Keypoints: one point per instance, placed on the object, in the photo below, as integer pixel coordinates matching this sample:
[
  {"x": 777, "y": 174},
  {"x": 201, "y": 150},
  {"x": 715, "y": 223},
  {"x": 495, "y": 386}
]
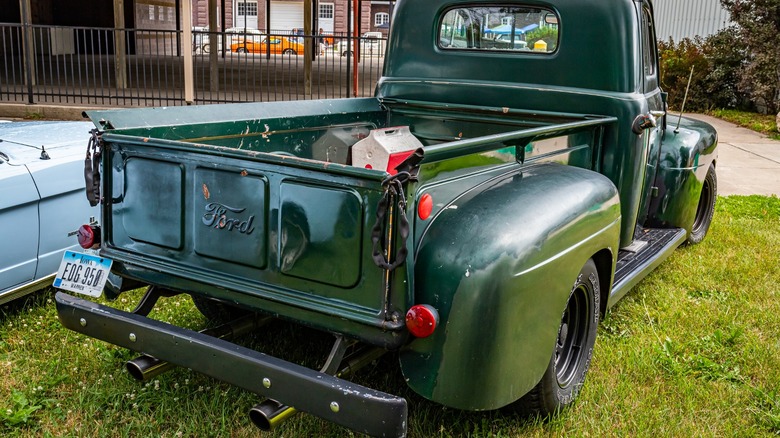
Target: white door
[
  {"x": 286, "y": 16},
  {"x": 325, "y": 17},
  {"x": 246, "y": 14}
]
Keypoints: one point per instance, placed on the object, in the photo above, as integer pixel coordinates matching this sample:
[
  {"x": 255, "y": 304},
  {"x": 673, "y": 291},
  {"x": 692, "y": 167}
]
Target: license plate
[{"x": 83, "y": 273}]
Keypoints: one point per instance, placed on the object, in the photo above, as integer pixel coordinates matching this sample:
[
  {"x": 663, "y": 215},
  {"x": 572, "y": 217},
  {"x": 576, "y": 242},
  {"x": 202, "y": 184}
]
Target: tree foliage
[
  {"x": 548, "y": 34},
  {"x": 716, "y": 63},
  {"x": 758, "y": 29},
  {"x": 679, "y": 62},
  {"x": 739, "y": 67}
]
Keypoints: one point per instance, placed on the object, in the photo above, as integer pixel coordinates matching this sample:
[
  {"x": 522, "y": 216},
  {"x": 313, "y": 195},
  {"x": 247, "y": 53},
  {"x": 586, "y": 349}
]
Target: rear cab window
[{"x": 499, "y": 28}]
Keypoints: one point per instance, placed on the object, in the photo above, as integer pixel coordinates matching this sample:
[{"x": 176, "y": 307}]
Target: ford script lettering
[{"x": 217, "y": 217}]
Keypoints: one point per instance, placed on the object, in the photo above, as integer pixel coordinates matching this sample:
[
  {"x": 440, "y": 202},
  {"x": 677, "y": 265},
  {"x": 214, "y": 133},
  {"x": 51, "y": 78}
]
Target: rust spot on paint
[
  {"x": 244, "y": 173},
  {"x": 206, "y": 193}
]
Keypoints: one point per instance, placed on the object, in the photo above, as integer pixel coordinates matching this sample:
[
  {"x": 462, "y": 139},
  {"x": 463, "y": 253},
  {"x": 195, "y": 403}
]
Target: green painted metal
[
  {"x": 529, "y": 158},
  {"x": 498, "y": 263},
  {"x": 685, "y": 157}
]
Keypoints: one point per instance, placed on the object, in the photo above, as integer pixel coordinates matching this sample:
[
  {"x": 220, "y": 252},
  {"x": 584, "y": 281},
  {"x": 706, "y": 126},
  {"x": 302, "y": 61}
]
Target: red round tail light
[
  {"x": 88, "y": 236},
  {"x": 421, "y": 320},
  {"x": 425, "y": 206}
]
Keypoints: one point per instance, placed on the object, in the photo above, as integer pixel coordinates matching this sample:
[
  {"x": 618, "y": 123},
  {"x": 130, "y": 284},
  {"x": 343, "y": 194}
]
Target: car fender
[
  {"x": 686, "y": 155},
  {"x": 498, "y": 264}
]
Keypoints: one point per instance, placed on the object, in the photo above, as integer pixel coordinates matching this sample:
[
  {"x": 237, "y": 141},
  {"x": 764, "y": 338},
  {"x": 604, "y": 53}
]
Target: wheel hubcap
[{"x": 572, "y": 336}]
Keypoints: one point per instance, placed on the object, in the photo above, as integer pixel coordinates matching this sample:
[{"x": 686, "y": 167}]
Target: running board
[{"x": 650, "y": 248}]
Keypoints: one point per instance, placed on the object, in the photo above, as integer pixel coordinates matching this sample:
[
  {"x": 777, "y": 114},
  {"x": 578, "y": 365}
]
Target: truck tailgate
[{"x": 269, "y": 228}]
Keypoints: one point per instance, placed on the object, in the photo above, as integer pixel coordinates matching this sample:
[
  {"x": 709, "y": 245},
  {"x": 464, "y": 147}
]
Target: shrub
[
  {"x": 726, "y": 55},
  {"x": 676, "y": 62},
  {"x": 719, "y": 67},
  {"x": 548, "y": 34},
  {"x": 758, "y": 28}
]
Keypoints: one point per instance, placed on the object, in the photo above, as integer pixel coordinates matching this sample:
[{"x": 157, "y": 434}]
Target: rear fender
[
  {"x": 686, "y": 155},
  {"x": 498, "y": 264}
]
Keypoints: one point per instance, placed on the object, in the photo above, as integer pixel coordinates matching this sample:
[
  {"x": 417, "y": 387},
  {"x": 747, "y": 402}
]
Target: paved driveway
[{"x": 748, "y": 162}]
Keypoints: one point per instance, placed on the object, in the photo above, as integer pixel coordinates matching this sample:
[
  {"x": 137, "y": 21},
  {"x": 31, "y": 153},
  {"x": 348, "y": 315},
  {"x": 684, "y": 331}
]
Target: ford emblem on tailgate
[{"x": 216, "y": 216}]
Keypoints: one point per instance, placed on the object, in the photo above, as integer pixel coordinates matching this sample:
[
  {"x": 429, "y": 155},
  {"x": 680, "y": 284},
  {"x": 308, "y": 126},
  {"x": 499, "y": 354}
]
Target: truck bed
[{"x": 267, "y": 213}]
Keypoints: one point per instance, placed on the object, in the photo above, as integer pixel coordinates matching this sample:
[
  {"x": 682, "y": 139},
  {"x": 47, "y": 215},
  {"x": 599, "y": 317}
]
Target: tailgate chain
[
  {"x": 92, "y": 168},
  {"x": 393, "y": 188}
]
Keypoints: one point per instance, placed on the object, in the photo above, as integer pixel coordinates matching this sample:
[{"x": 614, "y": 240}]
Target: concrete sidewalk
[{"x": 748, "y": 162}]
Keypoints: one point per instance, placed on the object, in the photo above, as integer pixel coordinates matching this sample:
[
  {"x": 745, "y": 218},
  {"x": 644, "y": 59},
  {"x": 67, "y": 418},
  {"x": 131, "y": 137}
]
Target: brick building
[{"x": 286, "y": 15}]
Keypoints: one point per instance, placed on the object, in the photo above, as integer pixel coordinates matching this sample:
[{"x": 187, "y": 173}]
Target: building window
[
  {"x": 381, "y": 18},
  {"x": 326, "y": 10},
  {"x": 245, "y": 8}
]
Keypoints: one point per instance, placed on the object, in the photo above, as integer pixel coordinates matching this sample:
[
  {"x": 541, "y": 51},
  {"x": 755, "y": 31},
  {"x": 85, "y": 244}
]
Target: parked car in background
[
  {"x": 232, "y": 35},
  {"x": 503, "y": 41},
  {"x": 238, "y": 34},
  {"x": 41, "y": 200},
  {"x": 278, "y": 45},
  {"x": 371, "y": 44}
]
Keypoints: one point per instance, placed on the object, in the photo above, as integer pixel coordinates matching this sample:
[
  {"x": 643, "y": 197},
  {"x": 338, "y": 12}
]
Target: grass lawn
[{"x": 693, "y": 350}]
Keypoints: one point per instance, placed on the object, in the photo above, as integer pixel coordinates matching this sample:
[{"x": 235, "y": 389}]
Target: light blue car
[{"x": 42, "y": 201}]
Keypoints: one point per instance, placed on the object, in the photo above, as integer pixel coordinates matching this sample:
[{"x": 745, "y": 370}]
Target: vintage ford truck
[{"x": 475, "y": 218}]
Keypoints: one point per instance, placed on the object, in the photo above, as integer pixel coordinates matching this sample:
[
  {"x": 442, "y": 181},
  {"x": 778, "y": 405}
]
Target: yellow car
[{"x": 278, "y": 45}]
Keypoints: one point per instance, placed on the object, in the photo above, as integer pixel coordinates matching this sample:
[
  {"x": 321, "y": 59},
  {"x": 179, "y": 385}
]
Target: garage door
[{"x": 286, "y": 16}]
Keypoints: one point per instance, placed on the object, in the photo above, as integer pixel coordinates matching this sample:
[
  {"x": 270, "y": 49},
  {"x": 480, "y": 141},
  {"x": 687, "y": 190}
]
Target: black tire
[
  {"x": 206, "y": 48},
  {"x": 289, "y": 52},
  {"x": 216, "y": 311},
  {"x": 346, "y": 52},
  {"x": 570, "y": 360},
  {"x": 241, "y": 50},
  {"x": 706, "y": 207}
]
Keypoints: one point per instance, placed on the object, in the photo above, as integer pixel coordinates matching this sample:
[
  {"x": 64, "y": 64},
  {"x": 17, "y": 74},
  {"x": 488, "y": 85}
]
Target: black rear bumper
[{"x": 342, "y": 402}]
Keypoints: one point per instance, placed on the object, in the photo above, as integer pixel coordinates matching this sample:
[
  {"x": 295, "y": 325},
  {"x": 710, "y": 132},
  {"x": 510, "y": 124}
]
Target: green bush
[
  {"x": 726, "y": 57},
  {"x": 676, "y": 62},
  {"x": 548, "y": 34},
  {"x": 717, "y": 63}
]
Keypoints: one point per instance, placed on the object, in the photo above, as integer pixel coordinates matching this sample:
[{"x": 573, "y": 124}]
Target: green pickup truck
[{"x": 475, "y": 219}]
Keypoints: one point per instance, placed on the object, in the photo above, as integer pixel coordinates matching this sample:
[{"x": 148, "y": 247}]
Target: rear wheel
[
  {"x": 570, "y": 360},
  {"x": 241, "y": 50},
  {"x": 289, "y": 52},
  {"x": 216, "y": 311},
  {"x": 706, "y": 207}
]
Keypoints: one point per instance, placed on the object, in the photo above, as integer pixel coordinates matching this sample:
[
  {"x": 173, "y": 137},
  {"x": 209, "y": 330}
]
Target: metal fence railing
[{"x": 79, "y": 65}]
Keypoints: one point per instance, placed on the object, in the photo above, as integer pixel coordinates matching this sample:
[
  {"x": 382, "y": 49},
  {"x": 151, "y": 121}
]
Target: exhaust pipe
[
  {"x": 269, "y": 413},
  {"x": 146, "y": 367}
]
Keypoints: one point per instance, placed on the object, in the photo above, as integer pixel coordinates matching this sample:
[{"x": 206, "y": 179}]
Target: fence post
[
  {"x": 189, "y": 78},
  {"x": 214, "y": 53},
  {"x": 27, "y": 48},
  {"x": 308, "y": 46},
  {"x": 120, "y": 47}
]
